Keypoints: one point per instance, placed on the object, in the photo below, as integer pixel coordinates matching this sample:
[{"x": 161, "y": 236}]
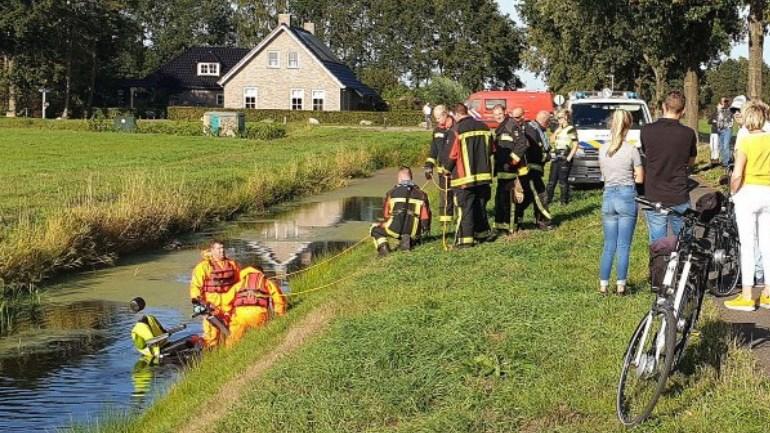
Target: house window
[
  {"x": 318, "y": 100},
  {"x": 293, "y": 60},
  {"x": 220, "y": 99},
  {"x": 250, "y": 97},
  {"x": 273, "y": 61},
  {"x": 210, "y": 69},
  {"x": 297, "y": 99}
]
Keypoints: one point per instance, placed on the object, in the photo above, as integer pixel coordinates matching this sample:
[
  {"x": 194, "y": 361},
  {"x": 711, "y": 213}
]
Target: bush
[
  {"x": 185, "y": 129},
  {"x": 353, "y": 118},
  {"x": 264, "y": 131}
]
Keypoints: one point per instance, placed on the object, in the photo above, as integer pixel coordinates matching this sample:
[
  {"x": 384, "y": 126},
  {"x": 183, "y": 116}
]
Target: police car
[{"x": 591, "y": 114}]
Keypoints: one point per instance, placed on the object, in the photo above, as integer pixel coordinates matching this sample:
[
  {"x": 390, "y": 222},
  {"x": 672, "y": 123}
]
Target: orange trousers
[{"x": 245, "y": 318}]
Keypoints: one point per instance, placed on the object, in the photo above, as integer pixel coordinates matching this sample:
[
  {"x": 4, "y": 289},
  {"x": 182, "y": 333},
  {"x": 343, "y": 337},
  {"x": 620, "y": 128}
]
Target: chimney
[
  {"x": 309, "y": 27},
  {"x": 284, "y": 19}
]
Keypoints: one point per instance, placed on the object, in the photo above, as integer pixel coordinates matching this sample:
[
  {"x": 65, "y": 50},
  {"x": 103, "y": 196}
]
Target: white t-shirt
[
  {"x": 426, "y": 110},
  {"x": 743, "y": 131}
]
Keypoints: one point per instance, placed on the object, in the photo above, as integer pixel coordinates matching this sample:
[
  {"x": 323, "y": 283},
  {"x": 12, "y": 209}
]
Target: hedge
[
  {"x": 380, "y": 118},
  {"x": 257, "y": 131}
]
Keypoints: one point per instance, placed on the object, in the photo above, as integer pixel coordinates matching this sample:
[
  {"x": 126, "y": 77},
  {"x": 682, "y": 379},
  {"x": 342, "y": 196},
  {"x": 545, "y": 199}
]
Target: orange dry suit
[
  {"x": 212, "y": 284},
  {"x": 251, "y": 303}
]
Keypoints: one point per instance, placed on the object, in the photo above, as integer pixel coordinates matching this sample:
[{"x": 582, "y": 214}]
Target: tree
[
  {"x": 729, "y": 79},
  {"x": 442, "y": 90},
  {"x": 757, "y": 28}
]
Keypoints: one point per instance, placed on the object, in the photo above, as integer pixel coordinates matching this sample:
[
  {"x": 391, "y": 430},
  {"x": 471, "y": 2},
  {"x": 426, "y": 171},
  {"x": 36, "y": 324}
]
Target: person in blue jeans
[
  {"x": 723, "y": 120},
  {"x": 621, "y": 167},
  {"x": 670, "y": 149}
]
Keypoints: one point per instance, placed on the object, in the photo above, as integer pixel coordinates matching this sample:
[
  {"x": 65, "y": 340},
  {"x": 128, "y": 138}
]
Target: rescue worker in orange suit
[
  {"x": 407, "y": 215},
  {"x": 470, "y": 160},
  {"x": 532, "y": 183},
  {"x": 510, "y": 147},
  {"x": 254, "y": 295},
  {"x": 438, "y": 159},
  {"x": 212, "y": 285}
]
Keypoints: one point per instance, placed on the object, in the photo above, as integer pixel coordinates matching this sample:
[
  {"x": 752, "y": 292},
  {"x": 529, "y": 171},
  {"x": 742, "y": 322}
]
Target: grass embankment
[
  {"x": 76, "y": 199},
  {"x": 505, "y": 337}
]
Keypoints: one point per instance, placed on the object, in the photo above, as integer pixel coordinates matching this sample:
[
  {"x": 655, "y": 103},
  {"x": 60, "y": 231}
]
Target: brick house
[{"x": 291, "y": 69}]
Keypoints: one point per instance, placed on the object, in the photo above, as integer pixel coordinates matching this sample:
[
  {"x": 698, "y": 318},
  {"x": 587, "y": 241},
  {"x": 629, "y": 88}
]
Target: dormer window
[{"x": 208, "y": 69}]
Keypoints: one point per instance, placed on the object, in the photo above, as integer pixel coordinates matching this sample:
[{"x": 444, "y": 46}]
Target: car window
[
  {"x": 490, "y": 103},
  {"x": 598, "y": 115},
  {"x": 474, "y": 104}
]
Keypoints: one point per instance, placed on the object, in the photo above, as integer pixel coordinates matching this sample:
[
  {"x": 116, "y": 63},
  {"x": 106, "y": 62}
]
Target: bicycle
[
  {"x": 726, "y": 263},
  {"x": 659, "y": 341}
]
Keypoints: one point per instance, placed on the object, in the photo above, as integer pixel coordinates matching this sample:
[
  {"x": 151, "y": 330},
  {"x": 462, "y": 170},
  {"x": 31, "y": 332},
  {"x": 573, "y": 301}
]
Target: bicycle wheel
[
  {"x": 726, "y": 265},
  {"x": 646, "y": 366},
  {"x": 689, "y": 311}
]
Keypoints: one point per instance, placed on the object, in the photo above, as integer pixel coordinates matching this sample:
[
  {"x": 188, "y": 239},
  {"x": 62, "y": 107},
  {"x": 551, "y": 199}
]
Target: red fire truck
[{"x": 480, "y": 104}]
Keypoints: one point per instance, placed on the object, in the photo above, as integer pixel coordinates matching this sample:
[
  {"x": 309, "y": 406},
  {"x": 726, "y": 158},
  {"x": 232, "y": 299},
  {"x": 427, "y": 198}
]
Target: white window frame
[
  {"x": 278, "y": 59},
  {"x": 322, "y": 98},
  {"x": 220, "y": 99},
  {"x": 208, "y": 69},
  {"x": 291, "y": 99},
  {"x": 288, "y": 60},
  {"x": 256, "y": 97}
]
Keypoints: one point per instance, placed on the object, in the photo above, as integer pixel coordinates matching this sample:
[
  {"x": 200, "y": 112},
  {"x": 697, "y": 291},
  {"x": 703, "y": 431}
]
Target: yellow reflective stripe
[
  {"x": 506, "y": 137},
  {"x": 471, "y": 179},
  {"x": 463, "y": 241},
  {"x": 523, "y": 171},
  {"x": 537, "y": 167},
  {"x": 430, "y": 160},
  {"x": 445, "y": 218},
  {"x": 378, "y": 242},
  {"x": 404, "y": 200},
  {"x": 502, "y": 226},
  {"x": 441, "y": 170},
  {"x": 438, "y": 135},
  {"x": 504, "y": 175},
  {"x": 469, "y": 134},
  {"x": 515, "y": 158},
  {"x": 466, "y": 163}
]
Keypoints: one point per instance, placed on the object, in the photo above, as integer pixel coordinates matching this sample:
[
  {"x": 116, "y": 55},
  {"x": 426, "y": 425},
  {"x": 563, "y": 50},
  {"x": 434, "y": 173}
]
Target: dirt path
[
  {"x": 217, "y": 407},
  {"x": 751, "y": 329}
]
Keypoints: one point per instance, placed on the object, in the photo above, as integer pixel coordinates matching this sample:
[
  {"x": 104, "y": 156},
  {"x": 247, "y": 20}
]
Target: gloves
[
  {"x": 198, "y": 309},
  {"x": 428, "y": 173}
]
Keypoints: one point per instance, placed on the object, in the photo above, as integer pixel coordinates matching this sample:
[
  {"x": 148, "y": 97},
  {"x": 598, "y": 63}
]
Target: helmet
[{"x": 136, "y": 305}]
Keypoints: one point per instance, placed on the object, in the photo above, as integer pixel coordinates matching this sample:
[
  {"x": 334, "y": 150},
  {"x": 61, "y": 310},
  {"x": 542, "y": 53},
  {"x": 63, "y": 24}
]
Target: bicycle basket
[
  {"x": 709, "y": 205},
  {"x": 660, "y": 252}
]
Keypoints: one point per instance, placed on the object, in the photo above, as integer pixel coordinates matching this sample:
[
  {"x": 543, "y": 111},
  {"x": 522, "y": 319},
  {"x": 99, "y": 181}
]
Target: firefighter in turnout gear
[
  {"x": 536, "y": 156},
  {"x": 438, "y": 158},
  {"x": 565, "y": 145},
  {"x": 212, "y": 282},
  {"x": 407, "y": 215},
  {"x": 470, "y": 160},
  {"x": 510, "y": 148},
  {"x": 254, "y": 297}
]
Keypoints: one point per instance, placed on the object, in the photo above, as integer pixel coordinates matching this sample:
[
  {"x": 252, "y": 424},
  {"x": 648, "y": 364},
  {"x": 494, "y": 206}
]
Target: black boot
[
  {"x": 405, "y": 244},
  {"x": 383, "y": 250}
]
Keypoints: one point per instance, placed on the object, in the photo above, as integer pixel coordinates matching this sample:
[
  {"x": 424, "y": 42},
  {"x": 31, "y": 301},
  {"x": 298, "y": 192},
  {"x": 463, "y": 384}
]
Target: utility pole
[
  {"x": 612, "y": 81},
  {"x": 44, "y": 91}
]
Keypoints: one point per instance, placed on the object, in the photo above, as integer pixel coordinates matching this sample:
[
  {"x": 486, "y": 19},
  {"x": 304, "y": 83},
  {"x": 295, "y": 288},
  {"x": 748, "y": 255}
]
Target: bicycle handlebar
[{"x": 658, "y": 207}]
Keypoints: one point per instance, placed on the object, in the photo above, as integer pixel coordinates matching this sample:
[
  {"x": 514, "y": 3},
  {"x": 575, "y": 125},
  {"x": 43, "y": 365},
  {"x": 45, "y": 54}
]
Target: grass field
[
  {"x": 505, "y": 337},
  {"x": 74, "y": 199}
]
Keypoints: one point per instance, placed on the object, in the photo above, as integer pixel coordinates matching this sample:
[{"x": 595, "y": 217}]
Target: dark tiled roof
[
  {"x": 181, "y": 72},
  {"x": 332, "y": 63}
]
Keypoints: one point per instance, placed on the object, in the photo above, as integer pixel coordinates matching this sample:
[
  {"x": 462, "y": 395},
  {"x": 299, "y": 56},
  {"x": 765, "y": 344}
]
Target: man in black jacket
[
  {"x": 439, "y": 158},
  {"x": 510, "y": 147},
  {"x": 470, "y": 161},
  {"x": 536, "y": 157}
]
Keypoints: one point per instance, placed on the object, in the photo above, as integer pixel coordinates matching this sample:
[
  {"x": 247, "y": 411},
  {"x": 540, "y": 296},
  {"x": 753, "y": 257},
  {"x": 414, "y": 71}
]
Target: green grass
[
  {"x": 505, "y": 337},
  {"x": 75, "y": 199}
]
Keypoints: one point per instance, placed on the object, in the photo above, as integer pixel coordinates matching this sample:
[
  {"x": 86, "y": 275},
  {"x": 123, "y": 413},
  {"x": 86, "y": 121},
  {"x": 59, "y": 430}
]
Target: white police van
[{"x": 591, "y": 115}]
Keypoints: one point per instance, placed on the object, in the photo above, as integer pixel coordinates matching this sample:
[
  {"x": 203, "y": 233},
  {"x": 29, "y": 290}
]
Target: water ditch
[{"x": 68, "y": 358}]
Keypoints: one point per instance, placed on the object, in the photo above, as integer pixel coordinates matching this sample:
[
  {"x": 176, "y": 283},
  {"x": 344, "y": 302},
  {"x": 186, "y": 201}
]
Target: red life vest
[
  {"x": 253, "y": 292},
  {"x": 220, "y": 279}
]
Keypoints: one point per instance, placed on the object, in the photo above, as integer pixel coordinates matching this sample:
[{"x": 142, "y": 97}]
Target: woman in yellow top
[{"x": 750, "y": 184}]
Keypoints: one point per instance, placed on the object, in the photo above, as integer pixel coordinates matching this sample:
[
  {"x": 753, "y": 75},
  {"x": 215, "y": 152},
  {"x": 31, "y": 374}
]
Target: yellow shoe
[
  {"x": 764, "y": 301},
  {"x": 739, "y": 303}
]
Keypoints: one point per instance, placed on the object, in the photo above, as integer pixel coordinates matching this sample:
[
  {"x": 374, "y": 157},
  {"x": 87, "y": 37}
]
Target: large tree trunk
[
  {"x": 67, "y": 81},
  {"x": 9, "y": 64},
  {"x": 691, "y": 94},
  {"x": 756, "y": 43}
]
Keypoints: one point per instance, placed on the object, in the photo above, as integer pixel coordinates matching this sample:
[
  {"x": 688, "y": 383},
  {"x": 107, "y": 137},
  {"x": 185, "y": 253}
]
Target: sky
[{"x": 531, "y": 81}]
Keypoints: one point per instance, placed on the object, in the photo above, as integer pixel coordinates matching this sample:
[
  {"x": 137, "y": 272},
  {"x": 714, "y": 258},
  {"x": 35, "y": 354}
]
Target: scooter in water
[{"x": 154, "y": 341}]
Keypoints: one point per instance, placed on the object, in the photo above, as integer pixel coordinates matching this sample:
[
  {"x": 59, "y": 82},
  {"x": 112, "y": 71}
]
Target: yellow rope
[
  {"x": 322, "y": 262},
  {"x": 444, "y": 228}
]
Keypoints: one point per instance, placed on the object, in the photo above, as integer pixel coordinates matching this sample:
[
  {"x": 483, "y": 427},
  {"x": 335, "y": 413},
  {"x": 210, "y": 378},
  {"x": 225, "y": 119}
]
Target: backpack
[{"x": 660, "y": 252}]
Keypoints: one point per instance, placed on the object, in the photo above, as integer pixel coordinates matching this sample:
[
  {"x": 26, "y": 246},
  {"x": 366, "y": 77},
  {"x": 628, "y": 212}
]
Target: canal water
[{"x": 69, "y": 359}]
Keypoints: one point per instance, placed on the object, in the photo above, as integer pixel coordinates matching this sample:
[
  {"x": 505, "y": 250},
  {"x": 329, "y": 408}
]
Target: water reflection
[{"x": 69, "y": 356}]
